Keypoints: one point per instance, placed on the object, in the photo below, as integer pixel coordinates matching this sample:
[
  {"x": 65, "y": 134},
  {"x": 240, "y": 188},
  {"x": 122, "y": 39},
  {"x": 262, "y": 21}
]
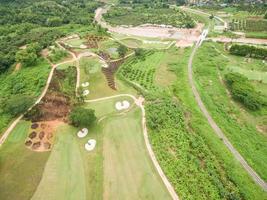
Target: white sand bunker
[
  {"x": 82, "y": 133},
  {"x": 82, "y": 46},
  {"x": 122, "y": 105},
  {"x": 90, "y": 145},
  {"x": 85, "y": 92},
  {"x": 85, "y": 84}
]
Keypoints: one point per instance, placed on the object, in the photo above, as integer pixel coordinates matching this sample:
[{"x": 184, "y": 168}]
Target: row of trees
[
  {"x": 247, "y": 50},
  {"x": 244, "y": 92}
]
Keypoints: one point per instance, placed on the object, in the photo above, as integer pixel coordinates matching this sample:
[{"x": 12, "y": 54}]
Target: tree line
[{"x": 248, "y": 50}]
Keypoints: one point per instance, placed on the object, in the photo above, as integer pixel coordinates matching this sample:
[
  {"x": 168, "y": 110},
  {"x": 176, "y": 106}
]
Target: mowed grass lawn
[
  {"x": 20, "y": 168},
  {"x": 127, "y": 169},
  {"x": 90, "y": 69}
]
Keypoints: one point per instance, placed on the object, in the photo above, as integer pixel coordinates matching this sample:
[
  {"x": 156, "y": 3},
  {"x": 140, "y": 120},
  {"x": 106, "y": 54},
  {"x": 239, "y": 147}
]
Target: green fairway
[
  {"x": 20, "y": 168},
  {"x": 63, "y": 176},
  {"x": 128, "y": 170}
]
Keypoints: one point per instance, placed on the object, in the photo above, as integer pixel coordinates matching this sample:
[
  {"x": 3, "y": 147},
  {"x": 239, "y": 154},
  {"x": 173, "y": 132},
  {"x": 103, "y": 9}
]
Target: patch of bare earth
[{"x": 41, "y": 135}]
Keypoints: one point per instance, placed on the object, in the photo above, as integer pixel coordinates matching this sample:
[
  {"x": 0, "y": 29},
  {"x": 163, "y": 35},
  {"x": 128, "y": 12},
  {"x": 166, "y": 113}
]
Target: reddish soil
[
  {"x": 43, "y": 136},
  {"x": 110, "y": 71}
]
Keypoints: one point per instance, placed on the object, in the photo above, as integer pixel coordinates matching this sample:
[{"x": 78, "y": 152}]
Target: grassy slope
[
  {"x": 64, "y": 170},
  {"x": 199, "y": 125},
  {"x": 128, "y": 171},
  {"x": 20, "y": 168},
  {"x": 233, "y": 121},
  {"x": 28, "y": 81}
]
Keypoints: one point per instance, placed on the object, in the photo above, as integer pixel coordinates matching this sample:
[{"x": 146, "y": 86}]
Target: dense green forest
[{"x": 24, "y": 22}]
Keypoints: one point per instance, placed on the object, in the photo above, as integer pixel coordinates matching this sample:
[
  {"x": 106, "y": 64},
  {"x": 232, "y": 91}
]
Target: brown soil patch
[
  {"x": 17, "y": 67},
  {"x": 109, "y": 72},
  {"x": 33, "y": 135},
  {"x": 43, "y": 136},
  {"x": 34, "y": 125},
  {"x": 93, "y": 40}
]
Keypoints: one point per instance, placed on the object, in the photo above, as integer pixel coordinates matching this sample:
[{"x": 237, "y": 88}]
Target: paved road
[
  {"x": 139, "y": 103},
  {"x": 217, "y": 130}
]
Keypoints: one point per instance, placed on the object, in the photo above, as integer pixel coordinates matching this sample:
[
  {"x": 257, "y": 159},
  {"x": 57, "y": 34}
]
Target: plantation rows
[
  {"x": 140, "y": 71},
  {"x": 248, "y": 25}
]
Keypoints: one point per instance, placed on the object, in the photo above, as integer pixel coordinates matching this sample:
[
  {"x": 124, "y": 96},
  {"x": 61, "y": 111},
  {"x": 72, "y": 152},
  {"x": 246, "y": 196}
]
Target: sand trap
[
  {"x": 85, "y": 84},
  {"x": 85, "y": 92},
  {"x": 82, "y": 46},
  {"x": 122, "y": 105},
  {"x": 90, "y": 145},
  {"x": 82, "y": 133}
]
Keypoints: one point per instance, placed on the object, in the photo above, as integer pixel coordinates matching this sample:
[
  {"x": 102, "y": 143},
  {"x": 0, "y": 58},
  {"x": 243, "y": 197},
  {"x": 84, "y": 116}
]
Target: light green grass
[
  {"x": 64, "y": 176},
  {"x": 251, "y": 75},
  {"x": 91, "y": 72},
  {"x": 75, "y": 42},
  {"x": 107, "y": 107},
  {"x": 127, "y": 169},
  {"x": 142, "y": 42},
  {"x": 20, "y": 168}
]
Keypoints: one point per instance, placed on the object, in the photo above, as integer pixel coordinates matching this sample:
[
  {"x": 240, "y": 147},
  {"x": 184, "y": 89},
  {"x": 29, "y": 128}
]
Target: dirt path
[
  {"x": 216, "y": 128},
  {"x": 139, "y": 103},
  {"x": 54, "y": 66},
  {"x": 239, "y": 40}
]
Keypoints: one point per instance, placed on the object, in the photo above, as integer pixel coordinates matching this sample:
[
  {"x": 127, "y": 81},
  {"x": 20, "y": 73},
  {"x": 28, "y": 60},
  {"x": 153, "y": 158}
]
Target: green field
[
  {"x": 239, "y": 125},
  {"x": 20, "y": 169},
  {"x": 90, "y": 69}
]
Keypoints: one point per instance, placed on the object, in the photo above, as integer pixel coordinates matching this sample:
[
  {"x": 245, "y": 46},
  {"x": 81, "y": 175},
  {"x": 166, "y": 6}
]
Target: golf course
[{"x": 120, "y": 99}]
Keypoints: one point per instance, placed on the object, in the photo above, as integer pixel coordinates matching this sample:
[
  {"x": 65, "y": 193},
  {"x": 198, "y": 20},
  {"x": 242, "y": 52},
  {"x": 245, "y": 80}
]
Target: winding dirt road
[
  {"x": 216, "y": 128},
  {"x": 54, "y": 66}
]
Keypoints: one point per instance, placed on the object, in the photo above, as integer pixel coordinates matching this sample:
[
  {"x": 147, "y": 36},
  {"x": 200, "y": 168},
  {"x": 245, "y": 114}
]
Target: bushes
[
  {"x": 121, "y": 15},
  {"x": 17, "y": 105},
  {"x": 244, "y": 92},
  {"x": 247, "y": 50},
  {"x": 188, "y": 162},
  {"x": 82, "y": 117}
]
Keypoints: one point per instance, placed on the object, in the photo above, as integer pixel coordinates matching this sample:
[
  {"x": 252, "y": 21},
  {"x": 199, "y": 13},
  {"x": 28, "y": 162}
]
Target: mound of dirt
[
  {"x": 34, "y": 126},
  {"x": 33, "y": 135}
]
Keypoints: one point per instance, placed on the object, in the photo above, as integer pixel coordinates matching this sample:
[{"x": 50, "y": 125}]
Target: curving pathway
[
  {"x": 216, "y": 128},
  {"x": 139, "y": 103},
  {"x": 54, "y": 66}
]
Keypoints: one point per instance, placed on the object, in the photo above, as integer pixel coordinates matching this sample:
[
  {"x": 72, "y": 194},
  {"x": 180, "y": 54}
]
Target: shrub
[
  {"x": 81, "y": 117},
  {"x": 244, "y": 92},
  {"x": 247, "y": 50},
  {"x": 17, "y": 105}
]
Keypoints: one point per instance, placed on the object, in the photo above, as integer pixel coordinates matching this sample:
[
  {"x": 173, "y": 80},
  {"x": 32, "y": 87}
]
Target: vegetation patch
[{"x": 138, "y": 15}]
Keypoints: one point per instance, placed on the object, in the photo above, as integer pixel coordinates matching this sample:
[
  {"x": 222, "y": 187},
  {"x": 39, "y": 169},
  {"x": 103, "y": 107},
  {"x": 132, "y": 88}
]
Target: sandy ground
[{"x": 151, "y": 30}]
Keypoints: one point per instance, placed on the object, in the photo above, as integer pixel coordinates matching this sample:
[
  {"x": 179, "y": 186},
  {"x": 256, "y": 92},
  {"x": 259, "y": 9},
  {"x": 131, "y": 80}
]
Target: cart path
[
  {"x": 54, "y": 66},
  {"x": 216, "y": 128},
  {"x": 139, "y": 102}
]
